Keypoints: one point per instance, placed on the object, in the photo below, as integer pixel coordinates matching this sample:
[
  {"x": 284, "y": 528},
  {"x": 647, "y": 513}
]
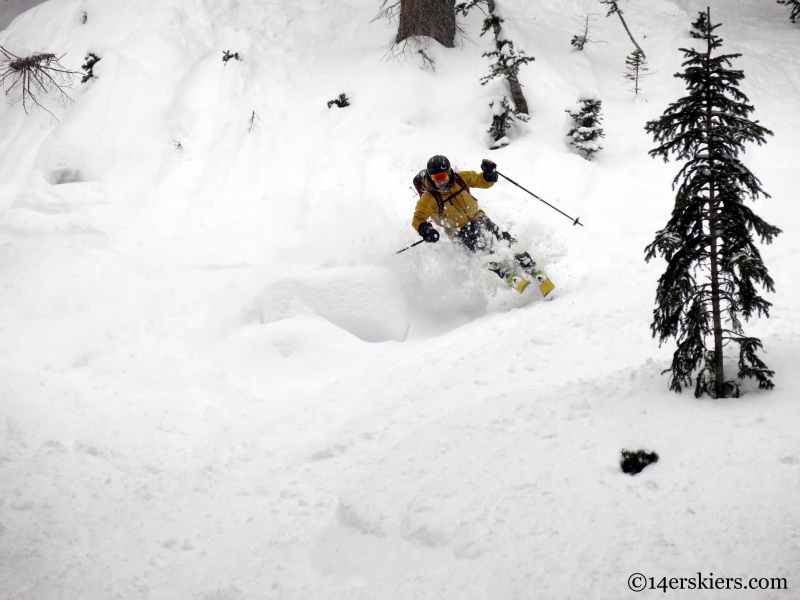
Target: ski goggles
[{"x": 440, "y": 177}]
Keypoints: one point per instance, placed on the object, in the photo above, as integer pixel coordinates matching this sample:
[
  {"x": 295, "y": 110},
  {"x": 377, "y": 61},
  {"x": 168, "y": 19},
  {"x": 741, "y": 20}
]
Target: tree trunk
[
  {"x": 431, "y": 18},
  {"x": 630, "y": 35},
  {"x": 517, "y": 96},
  {"x": 716, "y": 309},
  {"x": 520, "y": 104}
]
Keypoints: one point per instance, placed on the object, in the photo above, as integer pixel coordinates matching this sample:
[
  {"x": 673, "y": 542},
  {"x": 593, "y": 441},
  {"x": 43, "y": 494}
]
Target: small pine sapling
[
  {"x": 637, "y": 69},
  {"x": 178, "y": 146},
  {"x": 226, "y": 56},
  {"x": 586, "y": 130},
  {"x": 634, "y": 462},
  {"x": 341, "y": 101},
  {"x": 795, "y": 6},
  {"x": 252, "y": 122},
  {"x": 504, "y": 117},
  {"x": 579, "y": 40},
  {"x": 91, "y": 60},
  {"x": 713, "y": 264}
]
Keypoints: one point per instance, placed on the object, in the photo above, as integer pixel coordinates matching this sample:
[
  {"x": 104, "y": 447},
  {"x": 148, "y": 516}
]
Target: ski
[{"x": 520, "y": 283}]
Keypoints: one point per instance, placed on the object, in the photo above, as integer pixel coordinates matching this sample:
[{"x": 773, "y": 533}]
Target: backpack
[{"x": 419, "y": 185}]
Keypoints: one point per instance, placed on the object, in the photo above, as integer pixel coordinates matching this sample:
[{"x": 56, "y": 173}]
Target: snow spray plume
[{"x": 574, "y": 221}]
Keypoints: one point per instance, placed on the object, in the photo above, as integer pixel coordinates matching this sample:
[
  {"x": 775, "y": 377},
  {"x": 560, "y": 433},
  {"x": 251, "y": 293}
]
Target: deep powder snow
[{"x": 218, "y": 381}]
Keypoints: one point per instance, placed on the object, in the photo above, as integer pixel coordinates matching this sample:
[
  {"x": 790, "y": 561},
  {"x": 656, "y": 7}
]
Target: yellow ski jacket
[{"x": 459, "y": 206}]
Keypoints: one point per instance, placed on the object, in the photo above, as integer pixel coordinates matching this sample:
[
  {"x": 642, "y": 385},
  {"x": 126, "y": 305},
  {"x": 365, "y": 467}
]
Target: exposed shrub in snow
[
  {"x": 91, "y": 60},
  {"x": 633, "y": 462},
  {"x": 504, "y": 116},
  {"x": 795, "y": 6},
  {"x": 427, "y": 62},
  {"x": 252, "y": 122},
  {"x": 226, "y": 56},
  {"x": 637, "y": 69},
  {"x": 586, "y": 131},
  {"x": 341, "y": 101},
  {"x": 34, "y": 75}
]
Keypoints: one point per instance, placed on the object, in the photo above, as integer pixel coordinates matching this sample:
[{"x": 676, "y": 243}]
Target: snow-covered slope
[{"x": 219, "y": 381}]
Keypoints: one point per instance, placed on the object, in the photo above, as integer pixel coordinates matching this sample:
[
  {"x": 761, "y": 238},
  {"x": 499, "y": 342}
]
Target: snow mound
[{"x": 366, "y": 301}]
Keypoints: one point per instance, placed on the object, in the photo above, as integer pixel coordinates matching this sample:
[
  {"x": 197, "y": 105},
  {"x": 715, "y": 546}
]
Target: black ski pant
[{"x": 481, "y": 236}]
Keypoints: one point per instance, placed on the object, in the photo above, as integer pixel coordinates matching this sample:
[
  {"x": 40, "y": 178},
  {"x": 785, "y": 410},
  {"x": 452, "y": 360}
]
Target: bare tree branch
[{"x": 35, "y": 75}]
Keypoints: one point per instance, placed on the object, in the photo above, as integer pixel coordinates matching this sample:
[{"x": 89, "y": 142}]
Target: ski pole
[
  {"x": 411, "y": 246},
  {"x": 574, "y": 221}
]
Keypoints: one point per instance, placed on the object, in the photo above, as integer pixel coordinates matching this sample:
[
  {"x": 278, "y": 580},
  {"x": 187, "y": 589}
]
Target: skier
[{"x": 445, "y": 198}]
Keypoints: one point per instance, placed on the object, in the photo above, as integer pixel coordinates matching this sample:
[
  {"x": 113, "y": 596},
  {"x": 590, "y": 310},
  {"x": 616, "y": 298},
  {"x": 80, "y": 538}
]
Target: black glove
[
  {"x": 507, "y": 236},
  {"x": 488, "y": 168},
  {"x": 428, "y": 233}
]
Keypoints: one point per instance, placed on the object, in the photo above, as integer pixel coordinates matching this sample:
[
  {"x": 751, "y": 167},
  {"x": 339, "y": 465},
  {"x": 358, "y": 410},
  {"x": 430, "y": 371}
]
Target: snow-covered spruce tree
[
  {"x": 795, "y": 6},
  {"x": 713, "y": 265},
  {"x": 506, "y": 61},
  {"x": 504, "y": 117},
  {"x": 586, "y": 130},
  {"x": 505, "y": 64},
  {"x": 637, "y": 68}
]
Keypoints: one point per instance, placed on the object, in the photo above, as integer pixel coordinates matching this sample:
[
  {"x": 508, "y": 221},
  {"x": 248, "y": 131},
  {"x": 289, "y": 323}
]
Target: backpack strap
[
  {"x": 421, "y": 189},
  {"x": 460, "y": 181},
  {"x": 439, "y": 201}
]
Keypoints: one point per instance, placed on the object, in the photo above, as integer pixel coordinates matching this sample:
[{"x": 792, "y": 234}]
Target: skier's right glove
[
  {"x": 488, "y": 169},
  {"x": 428, "y": 233}
]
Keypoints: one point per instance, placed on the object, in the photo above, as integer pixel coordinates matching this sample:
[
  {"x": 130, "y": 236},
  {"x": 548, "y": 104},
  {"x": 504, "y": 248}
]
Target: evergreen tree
[
  {"x": 713, "y": 265},
  {"x": 504, "y": 117},
  {"x": 586, "y": 130},
  {"x": 579, "y": 40},
  {"x": 795, "y": 6},
  {"x": 637, "y": 69},
  {"x": 506, "y": 61},
  {"x": 91, "y": 60}
]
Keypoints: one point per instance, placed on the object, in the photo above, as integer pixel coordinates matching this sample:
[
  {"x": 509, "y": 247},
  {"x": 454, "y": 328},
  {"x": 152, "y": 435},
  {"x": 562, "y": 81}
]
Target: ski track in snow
[{"x": 218, "y": 380}]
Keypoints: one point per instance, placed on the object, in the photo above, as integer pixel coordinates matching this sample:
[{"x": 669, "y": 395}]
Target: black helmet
[{"x": 436, "y": 165}]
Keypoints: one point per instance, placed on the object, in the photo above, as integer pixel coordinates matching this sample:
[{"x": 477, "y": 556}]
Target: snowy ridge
[{"x": 219, "y": 381}]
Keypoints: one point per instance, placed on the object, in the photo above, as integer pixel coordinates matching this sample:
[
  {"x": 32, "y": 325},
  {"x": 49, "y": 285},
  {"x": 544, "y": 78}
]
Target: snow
[{"x": 219, "y": 381}]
